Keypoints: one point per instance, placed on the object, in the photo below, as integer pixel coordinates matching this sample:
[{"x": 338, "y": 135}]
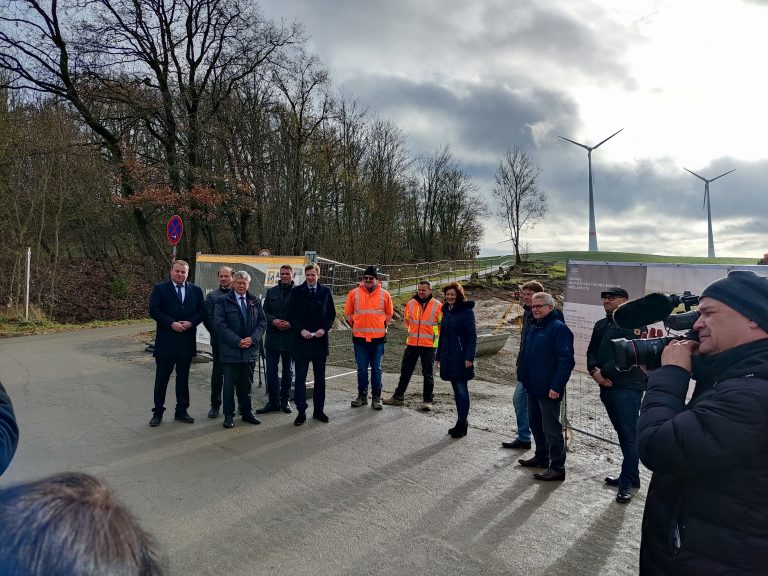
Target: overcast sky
[{"x": 685, "y": 79}]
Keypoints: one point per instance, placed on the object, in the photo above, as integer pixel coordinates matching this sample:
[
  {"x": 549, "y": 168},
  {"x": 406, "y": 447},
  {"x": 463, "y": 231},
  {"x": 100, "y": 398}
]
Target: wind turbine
[
  {"x": 592, "y": 231},
  {"x": 711, "y": 242}
]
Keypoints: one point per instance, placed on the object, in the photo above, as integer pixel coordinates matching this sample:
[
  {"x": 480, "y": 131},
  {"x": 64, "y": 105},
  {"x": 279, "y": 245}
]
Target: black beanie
[
  {"x": 745, "y": 292},
  {"x": 371, "y": 271}
]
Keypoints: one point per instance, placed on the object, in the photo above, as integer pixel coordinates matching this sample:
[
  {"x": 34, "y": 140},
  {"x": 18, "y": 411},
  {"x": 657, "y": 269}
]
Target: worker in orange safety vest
[
  {"x": 368, "y": 310},
  {"x": 422, "y": 318}
]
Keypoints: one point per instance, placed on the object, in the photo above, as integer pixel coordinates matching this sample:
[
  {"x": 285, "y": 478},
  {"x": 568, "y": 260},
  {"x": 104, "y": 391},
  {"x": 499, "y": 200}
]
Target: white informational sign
[{"x": 585, "y": 280}]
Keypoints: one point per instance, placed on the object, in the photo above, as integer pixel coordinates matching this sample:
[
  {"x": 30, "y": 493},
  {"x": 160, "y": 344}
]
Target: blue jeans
[
  {"x": 318, "y": 396},
  {"x": 369, "y": 354},
  {"x": 461, "y": 395},
  {"x": 623, "y": 407},
  {"x": 279, "y": 390},
  {"x": 520, "y": 402},
  {"x": 544, "y": 418}
]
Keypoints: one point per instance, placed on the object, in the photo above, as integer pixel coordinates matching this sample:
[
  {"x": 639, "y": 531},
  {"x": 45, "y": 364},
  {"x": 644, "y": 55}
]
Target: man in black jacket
[
  {"x": 177, "y": 306},
  {"x": 707, "y": 505},
  {"x": 620, "y": 392},
  {"x": 9, "y": 431},
  {"x": 278, "y": 343},
  {"x": 311, "y": 313},
  {"x": 217, "y": 373}
]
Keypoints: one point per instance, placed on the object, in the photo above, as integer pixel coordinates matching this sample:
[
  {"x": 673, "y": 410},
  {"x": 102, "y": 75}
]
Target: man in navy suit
[{"x": 178, "y": 307}]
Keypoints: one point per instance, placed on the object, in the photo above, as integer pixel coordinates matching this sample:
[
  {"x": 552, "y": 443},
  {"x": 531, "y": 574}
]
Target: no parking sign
[{"x": 174, "y": 230}]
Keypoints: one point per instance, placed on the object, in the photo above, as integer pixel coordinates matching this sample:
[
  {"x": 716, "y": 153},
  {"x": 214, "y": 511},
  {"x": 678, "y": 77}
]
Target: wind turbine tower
[
  {"x": 711, "y": 242},
  {"x": 592, "y": 230}
]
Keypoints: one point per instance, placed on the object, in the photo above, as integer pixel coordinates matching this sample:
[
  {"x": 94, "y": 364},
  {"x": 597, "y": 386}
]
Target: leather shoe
[
  {"x": 320, "y": 416},
  {"x": 623, "y": 496},
  {"x": 550, "y": 474},
  {"x": 250, "y": 418},
  {"x": 614, "y": 481},
  {"x": 286, "y": 407},
  {"x": 300, "y": 419},
  {"x": 531, "y": 463},
  {"x": 186, "y": 418},
  {"x": 229, "y": 422},
  {"x": 516, "y": 444},
  {"x": 213, "y": 412},
  {"x": 268, "y": 407},
  {"x": 157, "y": 419}
]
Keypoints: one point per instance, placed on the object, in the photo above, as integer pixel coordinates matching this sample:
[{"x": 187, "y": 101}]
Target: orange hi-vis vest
[
  {"x": 423, "y": 323},
  {"x": 369, "y": 312}
]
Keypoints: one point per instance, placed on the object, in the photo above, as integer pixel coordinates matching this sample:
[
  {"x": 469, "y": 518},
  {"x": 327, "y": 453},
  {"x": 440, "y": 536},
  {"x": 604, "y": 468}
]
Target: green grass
[{"x": 14, "y": 327}]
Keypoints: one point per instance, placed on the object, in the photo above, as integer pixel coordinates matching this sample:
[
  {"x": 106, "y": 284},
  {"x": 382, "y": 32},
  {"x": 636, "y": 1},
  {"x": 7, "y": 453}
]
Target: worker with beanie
[
  {"x": 707, "y": 506},
  {"x": 368, "y": 311}
]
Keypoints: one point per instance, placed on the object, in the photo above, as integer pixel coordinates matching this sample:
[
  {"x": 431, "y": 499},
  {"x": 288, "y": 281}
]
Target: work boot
[
  {"x": 394, "y": 401},
  {"x": 376, "y": 403},
  {"x": 361, "y": 400},
  {"x": 426, "y": 407}
]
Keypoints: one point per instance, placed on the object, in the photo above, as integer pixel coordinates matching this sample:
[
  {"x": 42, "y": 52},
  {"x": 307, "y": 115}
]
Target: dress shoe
[
  {"x": 286, "y": 407},
  {"x": 516, "y": 444},
  {"x": 268, "y": 407},
  {"x": 157, "y": 419},
  {"x": 532, "y": 463},
  {"x": 550, "y": 474},
  {"x": 300, "y": 419},
  {"x": 213, "y": 412},
  {"x": 250, "y": 418},
  {"x": 623, "y": 496},
  {"x": 186, "y": 418},
  {"x": 229, "y": 422},
  {"x": 320, "y": 416},
  {"x": 614, "y": 481}
]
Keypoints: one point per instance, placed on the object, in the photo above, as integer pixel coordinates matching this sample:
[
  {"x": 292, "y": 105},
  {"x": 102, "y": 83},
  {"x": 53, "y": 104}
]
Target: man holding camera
[
  {"x": 620, "y": 392},
  {"x": 707, "y": 505}
]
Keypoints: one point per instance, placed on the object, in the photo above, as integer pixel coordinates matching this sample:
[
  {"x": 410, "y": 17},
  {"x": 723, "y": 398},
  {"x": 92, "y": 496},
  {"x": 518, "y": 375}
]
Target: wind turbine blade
[
  {"x": 694, "y": 173},
  {"x": 724, "y": 174},
  {"x": 573, "y": 142},
  {"x": 606, "y": 140}
]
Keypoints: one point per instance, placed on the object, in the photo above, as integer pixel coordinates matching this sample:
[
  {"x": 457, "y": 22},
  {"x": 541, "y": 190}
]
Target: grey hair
[
  {"x": 242, "y": 274},
  {"x": 548, "y": 299}
]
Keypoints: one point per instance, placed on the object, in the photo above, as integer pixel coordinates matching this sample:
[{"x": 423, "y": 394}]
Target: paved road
[{"x": 370, "y": 493}]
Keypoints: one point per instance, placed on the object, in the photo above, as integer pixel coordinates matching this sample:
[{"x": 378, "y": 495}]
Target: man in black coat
[
  {"x": 278, "y": 343},
  {"x": 178, "y": 307},
  {"x": 620, "y": 392},
  {"x": 240, "y": 324},
  {"x": 217, "y": 373},
  {"x": 9, "y": 430},
  {"x": 311, "y": 313},
  {"x": 707, "y": 505}
]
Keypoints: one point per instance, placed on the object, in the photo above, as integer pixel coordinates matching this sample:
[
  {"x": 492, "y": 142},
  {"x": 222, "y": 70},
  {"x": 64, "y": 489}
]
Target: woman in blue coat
[{"x": 455, "y": 354}]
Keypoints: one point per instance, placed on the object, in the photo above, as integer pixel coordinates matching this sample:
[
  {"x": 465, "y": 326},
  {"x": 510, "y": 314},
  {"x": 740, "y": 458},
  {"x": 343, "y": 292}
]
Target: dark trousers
[
  {"x": 318, "y": 396},
  {"x": 164, "y": 369},
  {"x": 544, "y": 420},
  {"x": 623, "y": 407},
  {"x": 217, "y": 377},
  {"x": 461, "y": 395},
  {"x": 412, "y": 355},
  {"x": 238, "y": 377},
  {"x": 279, "y": 389}
]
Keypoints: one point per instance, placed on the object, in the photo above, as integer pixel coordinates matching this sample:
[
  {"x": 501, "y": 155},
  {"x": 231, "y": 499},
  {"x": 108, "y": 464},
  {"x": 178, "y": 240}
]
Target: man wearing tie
[
  {"x": 177, "y": 306},
  {"x": 240, "y": 323}
]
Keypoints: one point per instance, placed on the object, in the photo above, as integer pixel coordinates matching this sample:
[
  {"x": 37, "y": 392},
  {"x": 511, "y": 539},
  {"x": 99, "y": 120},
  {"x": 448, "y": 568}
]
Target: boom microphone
[{"x": 649, "y": 309}]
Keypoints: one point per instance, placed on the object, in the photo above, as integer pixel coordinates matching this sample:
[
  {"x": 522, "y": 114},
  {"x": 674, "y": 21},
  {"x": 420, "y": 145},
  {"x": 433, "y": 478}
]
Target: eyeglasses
[{"x": 539, "y": 306}]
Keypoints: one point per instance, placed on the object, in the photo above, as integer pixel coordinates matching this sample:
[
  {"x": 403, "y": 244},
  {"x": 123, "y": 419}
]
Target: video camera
[{"x": 654, "y": 307}]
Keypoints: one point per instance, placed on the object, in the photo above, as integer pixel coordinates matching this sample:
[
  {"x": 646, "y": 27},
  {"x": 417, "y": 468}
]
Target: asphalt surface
[{"x": 372, "y": 492}]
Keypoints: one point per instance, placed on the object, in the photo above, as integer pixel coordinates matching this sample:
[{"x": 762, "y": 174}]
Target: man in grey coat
[{"x": 217, "y": 374}]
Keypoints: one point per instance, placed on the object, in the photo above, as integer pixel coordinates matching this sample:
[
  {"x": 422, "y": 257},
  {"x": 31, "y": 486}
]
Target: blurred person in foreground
[
  {"x": 455, "y": 354},
  {"x": 71, "y": 525},
  {"x": 707, "y": 505},
  {"x": 9, "y": 430}
]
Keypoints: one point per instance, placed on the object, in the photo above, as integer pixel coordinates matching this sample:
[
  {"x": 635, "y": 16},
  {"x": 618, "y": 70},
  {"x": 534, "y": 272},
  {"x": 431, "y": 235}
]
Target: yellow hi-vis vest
[{"x": 423, "y": 323}]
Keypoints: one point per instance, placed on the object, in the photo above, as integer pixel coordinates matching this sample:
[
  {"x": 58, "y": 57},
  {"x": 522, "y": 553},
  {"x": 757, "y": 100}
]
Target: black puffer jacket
[
  {"x": 458, "y": 341},
  {"x": 707, "y": 505}
]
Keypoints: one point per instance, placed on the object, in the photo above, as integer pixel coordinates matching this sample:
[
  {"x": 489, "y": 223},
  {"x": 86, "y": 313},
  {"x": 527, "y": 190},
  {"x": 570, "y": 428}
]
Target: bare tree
[{"x": 521, "y": 203}]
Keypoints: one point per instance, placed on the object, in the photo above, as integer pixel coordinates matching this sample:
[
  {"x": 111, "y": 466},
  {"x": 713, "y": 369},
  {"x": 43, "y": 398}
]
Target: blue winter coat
[
  {"x": 166, "y": 308},
  {"x": 9, "y": 431},
  {"x": 547, "y": 357},
  {"x": 231, "y": 327},
  {"x": 458, "y": 342}
]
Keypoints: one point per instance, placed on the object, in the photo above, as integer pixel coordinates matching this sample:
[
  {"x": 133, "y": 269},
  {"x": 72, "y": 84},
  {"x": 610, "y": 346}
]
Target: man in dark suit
[
  {"x": 240, "y": 324},
  {"x": 217, "y": 374},
  {"x": 178, "y": 307},
  {"x": 311, "y": 313}
]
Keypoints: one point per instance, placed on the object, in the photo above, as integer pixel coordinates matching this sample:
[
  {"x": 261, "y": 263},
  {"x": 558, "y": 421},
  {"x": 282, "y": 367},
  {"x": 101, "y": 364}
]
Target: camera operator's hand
[{"x": 678, "y": 353}]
